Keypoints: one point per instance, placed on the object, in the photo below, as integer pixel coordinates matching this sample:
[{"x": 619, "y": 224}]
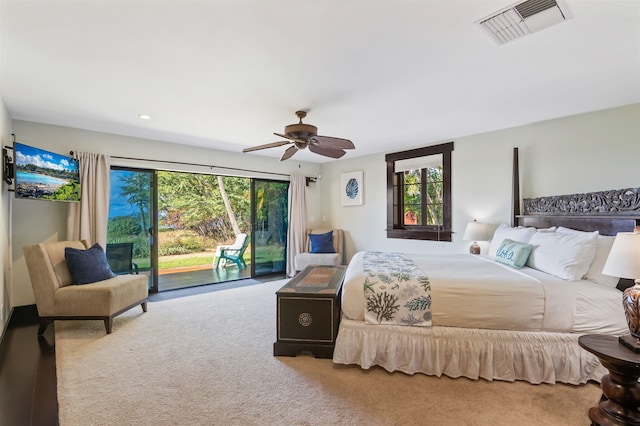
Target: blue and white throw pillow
[{"x": 513, "y": 253}]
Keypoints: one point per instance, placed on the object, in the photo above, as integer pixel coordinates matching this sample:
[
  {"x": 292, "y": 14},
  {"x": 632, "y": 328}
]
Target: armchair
[
  {"x": 58, "y": 298},
  {"x": 308, "y": 258}
]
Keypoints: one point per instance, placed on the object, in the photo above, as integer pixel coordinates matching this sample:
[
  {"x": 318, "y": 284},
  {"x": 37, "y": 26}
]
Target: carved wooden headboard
[{"x": 609, "y": 212}]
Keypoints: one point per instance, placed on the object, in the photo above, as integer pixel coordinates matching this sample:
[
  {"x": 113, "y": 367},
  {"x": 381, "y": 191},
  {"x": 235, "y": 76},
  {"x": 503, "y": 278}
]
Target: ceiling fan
[{"x": 303, "y": 135}]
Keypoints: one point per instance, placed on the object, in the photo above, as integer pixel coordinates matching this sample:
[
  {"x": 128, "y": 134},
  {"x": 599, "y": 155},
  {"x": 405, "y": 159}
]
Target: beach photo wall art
[{"x": 45, "y": 175}]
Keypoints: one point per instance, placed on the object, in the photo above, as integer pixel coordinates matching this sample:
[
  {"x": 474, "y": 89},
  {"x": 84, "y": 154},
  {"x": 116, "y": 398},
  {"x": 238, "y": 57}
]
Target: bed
[{"x": 492, "y": 321}]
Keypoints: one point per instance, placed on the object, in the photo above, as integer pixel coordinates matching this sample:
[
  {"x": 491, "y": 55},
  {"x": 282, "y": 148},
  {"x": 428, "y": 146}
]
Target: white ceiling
[{"x": 387, "y": 74}]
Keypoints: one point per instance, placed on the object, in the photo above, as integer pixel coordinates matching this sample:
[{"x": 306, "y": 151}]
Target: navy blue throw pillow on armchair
[
  {"x": 88, "y": 266},
  {"x": 322, "y": 243}
]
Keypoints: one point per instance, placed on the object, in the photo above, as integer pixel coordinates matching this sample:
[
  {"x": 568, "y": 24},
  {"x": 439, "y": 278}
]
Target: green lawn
[{"x": 194, "y": 259}]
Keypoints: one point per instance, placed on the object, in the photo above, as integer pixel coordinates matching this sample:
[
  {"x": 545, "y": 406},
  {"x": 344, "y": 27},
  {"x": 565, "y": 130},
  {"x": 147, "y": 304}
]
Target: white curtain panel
[
  {"x": 87, "y": 220},
  {"x": 297, "y": 221}
]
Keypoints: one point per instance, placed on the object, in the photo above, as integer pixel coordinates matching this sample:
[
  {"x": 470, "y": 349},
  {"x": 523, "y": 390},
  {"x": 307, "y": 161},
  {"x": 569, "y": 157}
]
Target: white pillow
[
  {"x": 603, "y": 248},
  {"x": 602, "y": 253},
  {"x": 566, "y": 255},
  {"x": 504, "y": 231},
  {"x": 585, "y": 234}
]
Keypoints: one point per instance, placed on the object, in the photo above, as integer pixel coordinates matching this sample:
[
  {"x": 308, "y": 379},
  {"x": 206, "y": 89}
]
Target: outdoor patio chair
[
  {"x": 120, "y": 258},
  {"x": 234, "y": 254},
  {"x": 237, "y": 245}
]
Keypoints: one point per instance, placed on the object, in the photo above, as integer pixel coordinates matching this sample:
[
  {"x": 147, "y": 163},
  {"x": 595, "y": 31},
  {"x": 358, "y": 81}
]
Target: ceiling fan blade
[
  {"x": 291, "y": 138},
  {"x": 265, "y": 146},
  {"x": 330, "y": 142},
  {"x": 288, "y": 153},
  {"x": 284, "y": 136},
  {"x": 327, "y": 152}
]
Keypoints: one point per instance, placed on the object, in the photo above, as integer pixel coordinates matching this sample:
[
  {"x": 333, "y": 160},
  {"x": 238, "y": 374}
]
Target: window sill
[{"x": 419, "y": 234}]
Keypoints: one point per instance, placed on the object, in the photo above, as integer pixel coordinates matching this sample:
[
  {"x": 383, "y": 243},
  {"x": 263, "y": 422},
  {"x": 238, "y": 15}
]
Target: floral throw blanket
[{"x": 396, "y": 291}]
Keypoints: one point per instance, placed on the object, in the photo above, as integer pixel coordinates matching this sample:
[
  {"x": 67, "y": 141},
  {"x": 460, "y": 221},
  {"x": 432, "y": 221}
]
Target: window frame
[{"x": 395, "y": 225}]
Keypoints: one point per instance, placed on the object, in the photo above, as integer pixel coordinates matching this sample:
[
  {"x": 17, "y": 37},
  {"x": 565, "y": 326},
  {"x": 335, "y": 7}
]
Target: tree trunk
[
  {"x": 143, "y": 219},
  {"x": 227, "y": 205}
]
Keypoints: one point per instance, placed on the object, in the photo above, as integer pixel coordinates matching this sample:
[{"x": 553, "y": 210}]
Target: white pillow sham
[
  {"x": 506, "y": 232},
  {"x": 594, "y": 273},
  {"x": 603, "y": 248},
  {"x": 564, "y": 254}
]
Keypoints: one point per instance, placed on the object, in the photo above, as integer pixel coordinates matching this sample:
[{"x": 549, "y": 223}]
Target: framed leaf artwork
[{"x": 351, "y": 188}]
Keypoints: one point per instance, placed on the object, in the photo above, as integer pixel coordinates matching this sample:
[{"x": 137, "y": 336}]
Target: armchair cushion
[
  {"x": 88, "y": 266},
  {"x": 322, "y": 243},
  {"x": 101, "y": 298}
]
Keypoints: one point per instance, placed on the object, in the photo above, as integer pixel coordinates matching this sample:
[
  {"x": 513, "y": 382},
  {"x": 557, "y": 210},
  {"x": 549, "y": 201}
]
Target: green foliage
[
  {"x": 192, "y": 213},
  {"x": 431, "y": 199},
  {"x": 141, "y": 247},
  {"x": 65, "y": 174},
  {"x": 136, "y": 188},
  {"x": 67, "y": 192},
  {"x": 194, "y": 202},
  {"x": 123, "y": 227},
  {"x": 182, "y": 244},
  {"x": 271, "y": 212}
]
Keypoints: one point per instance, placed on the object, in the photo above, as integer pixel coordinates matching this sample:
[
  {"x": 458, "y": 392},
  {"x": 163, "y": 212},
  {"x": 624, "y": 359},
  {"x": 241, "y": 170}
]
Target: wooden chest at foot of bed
[{"x": 308, "y": 312}]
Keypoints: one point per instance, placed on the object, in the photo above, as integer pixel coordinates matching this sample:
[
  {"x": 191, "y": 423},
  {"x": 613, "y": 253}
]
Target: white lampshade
[
  {"x": 624, "y": 257},
  {"x": 477, "y": 231}
]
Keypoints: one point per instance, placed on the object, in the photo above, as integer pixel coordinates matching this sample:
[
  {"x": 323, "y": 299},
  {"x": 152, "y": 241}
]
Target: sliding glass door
[
  {"x": 170, "y": 226},
  {"x": 269, "y": 218},
  {"x": 198, "y": 214},
  {"x": 130, "y": 242}
]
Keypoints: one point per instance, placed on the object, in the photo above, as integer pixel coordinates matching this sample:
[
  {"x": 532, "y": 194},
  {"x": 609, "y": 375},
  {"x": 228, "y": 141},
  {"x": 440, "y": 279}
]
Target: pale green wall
[
  {"x": 37, "y": 220},
  {"x": 583, "y": 153}
]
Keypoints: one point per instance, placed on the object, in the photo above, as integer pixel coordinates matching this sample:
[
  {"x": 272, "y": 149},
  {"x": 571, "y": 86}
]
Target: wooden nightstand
[
  {"x": 620, "y": 386},
  {"x": 308, "y": 312}
]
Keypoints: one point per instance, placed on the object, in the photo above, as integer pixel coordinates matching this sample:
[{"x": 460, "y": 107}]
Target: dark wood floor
[
  {"x": 28, "y": 386},
  {"x": 28, "y": 393}
]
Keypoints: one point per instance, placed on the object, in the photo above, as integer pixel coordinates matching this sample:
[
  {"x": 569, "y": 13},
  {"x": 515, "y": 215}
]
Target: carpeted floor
[{"x": 208, "y": 360}]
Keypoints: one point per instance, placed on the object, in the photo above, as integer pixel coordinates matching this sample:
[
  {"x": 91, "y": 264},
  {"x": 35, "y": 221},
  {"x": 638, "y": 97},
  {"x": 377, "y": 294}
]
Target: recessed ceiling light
[{"x": 144, "y": 116}]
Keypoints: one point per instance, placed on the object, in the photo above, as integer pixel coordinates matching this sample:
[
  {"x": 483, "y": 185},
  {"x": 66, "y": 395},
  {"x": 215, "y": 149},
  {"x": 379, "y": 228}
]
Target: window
[{"x": 419, "y": 193}]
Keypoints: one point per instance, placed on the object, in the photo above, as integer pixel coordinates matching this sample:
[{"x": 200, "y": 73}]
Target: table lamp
[
  {"x": 624, "y": 262},
  {"x": 475, "y": 232}
]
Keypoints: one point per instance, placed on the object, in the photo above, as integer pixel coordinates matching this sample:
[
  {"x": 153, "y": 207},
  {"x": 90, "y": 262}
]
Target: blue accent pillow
[
  {"x": 88, "y": 266},
  {"x": 322, "y": 243},
  {"x": 513, "y": 253}
]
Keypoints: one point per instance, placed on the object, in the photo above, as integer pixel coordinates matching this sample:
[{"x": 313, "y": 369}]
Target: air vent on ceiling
[{"x": 522, "y": 19}]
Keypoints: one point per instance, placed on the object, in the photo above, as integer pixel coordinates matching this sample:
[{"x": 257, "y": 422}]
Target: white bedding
[
  {"x": 501, "y": 324},
  {"x": 476, "y": 292}
]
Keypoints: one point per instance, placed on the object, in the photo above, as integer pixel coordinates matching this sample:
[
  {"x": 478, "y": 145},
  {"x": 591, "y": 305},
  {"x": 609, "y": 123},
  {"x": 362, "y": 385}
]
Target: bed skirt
[{"x": 536, "y": 357}]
